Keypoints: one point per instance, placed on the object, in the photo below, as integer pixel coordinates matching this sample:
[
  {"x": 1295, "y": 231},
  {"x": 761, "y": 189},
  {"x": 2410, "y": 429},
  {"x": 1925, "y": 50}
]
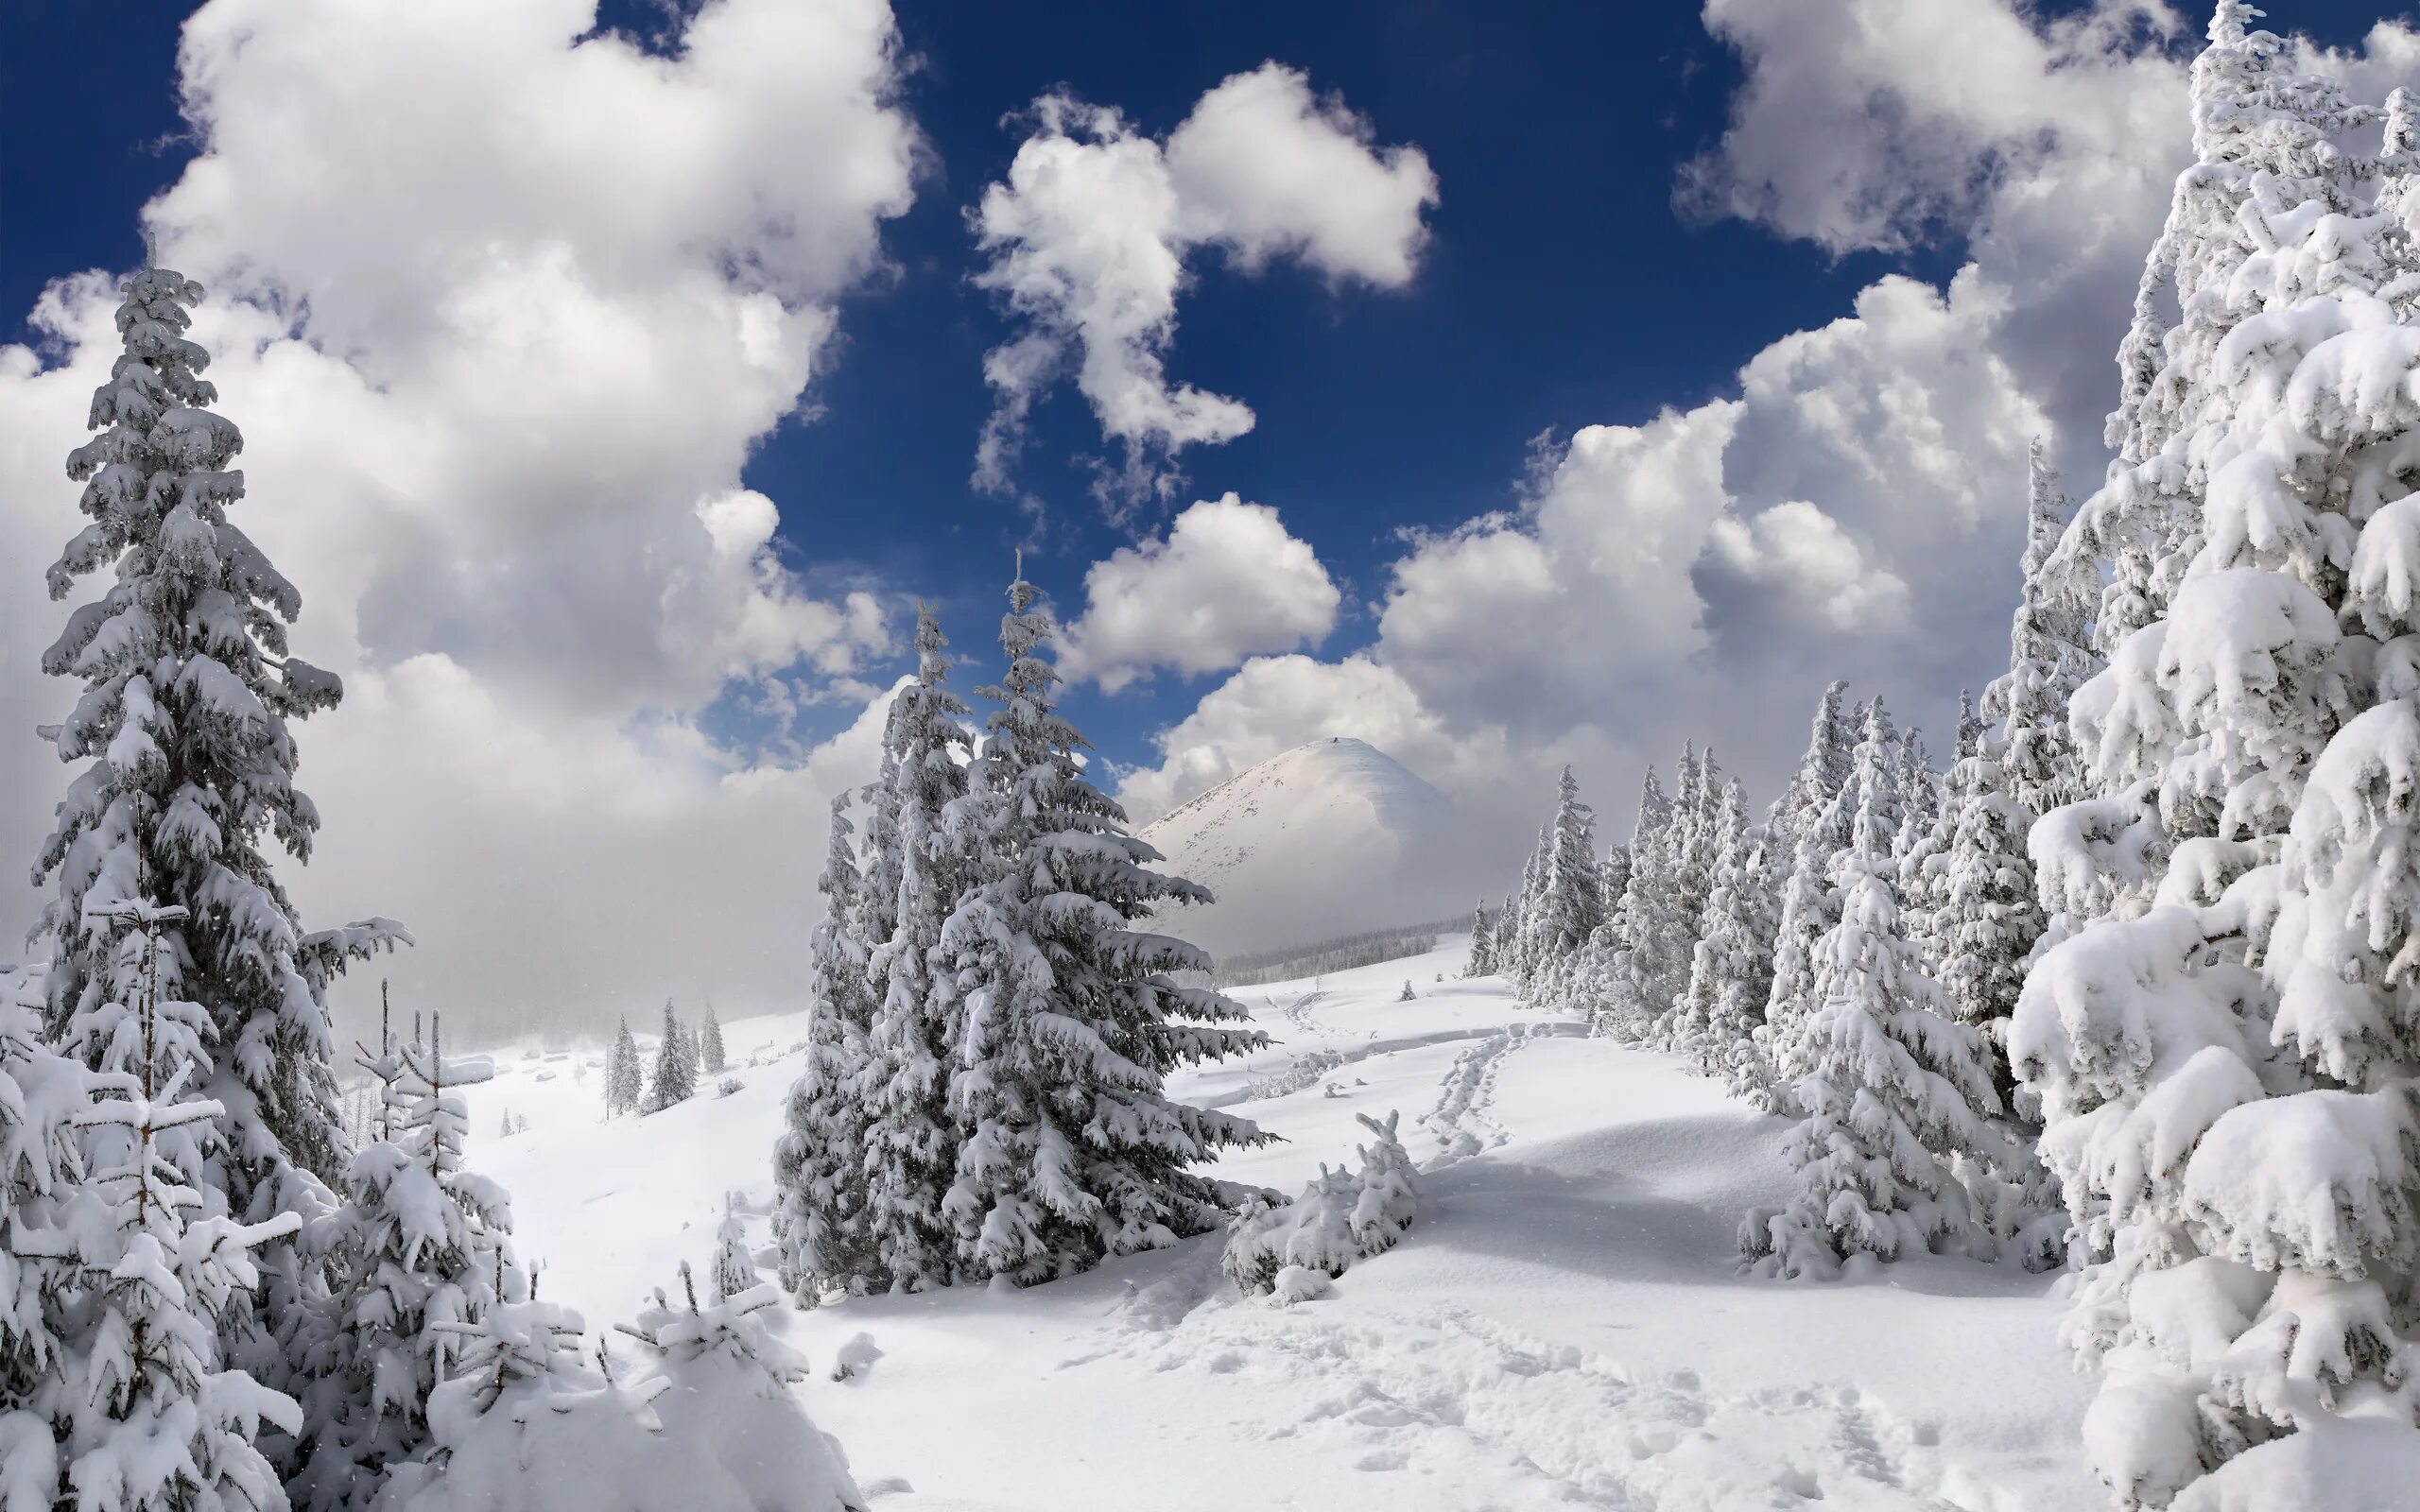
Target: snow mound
[{"x": 1326, "y": 839}]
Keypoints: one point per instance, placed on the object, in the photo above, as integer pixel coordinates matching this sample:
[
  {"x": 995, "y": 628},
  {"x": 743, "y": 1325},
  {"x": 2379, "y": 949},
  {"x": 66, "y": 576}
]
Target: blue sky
[
  {"x": 1560, "y": 290},
  {"x": 509, "y": 310}
]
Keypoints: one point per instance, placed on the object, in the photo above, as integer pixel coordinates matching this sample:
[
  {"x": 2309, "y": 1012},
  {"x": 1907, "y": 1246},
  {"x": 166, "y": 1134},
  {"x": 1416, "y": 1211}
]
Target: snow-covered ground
[{"x": 1562, "y": 1327}]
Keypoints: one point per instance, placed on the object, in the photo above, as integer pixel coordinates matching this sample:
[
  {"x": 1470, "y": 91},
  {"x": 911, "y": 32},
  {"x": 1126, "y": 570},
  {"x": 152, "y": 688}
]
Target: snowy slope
[
  {"x": 1562, "y": 1327},
  {"x": 1326, "y": 839}
]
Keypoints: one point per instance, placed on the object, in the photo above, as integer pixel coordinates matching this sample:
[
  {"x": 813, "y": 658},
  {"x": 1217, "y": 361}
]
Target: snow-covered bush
[
  {"x": 1301, "y": 1071},
  {"x": 1341, "y": 1217},
  {"x": 708, "y": 1423}
]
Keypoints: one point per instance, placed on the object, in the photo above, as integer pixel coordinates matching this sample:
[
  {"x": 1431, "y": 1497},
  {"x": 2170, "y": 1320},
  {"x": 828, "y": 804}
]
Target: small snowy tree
[
  {"x": 1636, "y": 963},
  {"x": 41, "y": 1186},
  {"x": 429, "y": 1244},
  {"x": 1072, "y": 1016},
  {"x": 676, "y": 1066},
  {"x": 1388, "y": 1198},
  {"x": 1482, "y": 958},
  {"x": 712, "y": 1059},
  {"x": 1569, "y": 903},
  {"x": 1731, "y": 968},
  {"x": 734, "y": 1267},
  {"x": 625, "y": 1081},
  {"x": 818, "y": 1166},
  {"x": 1897, "y": 1087}
]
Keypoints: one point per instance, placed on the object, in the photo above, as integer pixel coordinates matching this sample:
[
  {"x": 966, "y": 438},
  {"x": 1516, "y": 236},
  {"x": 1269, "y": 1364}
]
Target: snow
[
  {"x": 1322, "y": 840},
  {"x": 1562, "y": 1323}
]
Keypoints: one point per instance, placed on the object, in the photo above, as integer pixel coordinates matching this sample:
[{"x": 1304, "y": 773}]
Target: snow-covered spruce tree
[
  {"x": 1612, "y": 876},
  {"x": 624, "y": 1079},
  {"x": 735, "y": 1269},
  {"x": 1570, "y": 898},
  {"x": 912, "y": 1137},
  {"x": 1073, "y": 1017},
  {"x": 818, "y": 1165},
  {"x": 42, "y": 1175},
  {"x": 430, "y": 1245},
  {"x": 2050, "y": 656},
  {"x": 1919, "y": 871},
  {"x": 2227, "y": 1076},
  {"x": 676, "y": 1066},
  {"x": 1482, "y": 957},
  {"x": 1704, "y": 831},
  {"x": 1731, "y": 966},
  {"x": 1387, "y": 1196},
  {"x": 1822, "y": 772},
  {"x": 1768, "y": 1071},
  {"x": 1895, "y": 1086},
  {"x": 186, "y": 790},
  {"x": 153, "y": 1418},
  {"x": 1635, "y": 962},
  {"x": 712, "y": 1059},
  {"x": 1518, "y": 952}
]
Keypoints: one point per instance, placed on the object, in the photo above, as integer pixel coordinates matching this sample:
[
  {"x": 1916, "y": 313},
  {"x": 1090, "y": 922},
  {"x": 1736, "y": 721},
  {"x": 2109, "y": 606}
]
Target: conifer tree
[
  {"x": 2225, "y": 1061},
  {"x": 711, "y": 1057},
  {"x": 429, "y": 1244},
  {"x": 1482, "y": 960},
  {"x": 912, "y": 1137},
  {"x": 1822, "y": 772},
  {"x": 676, "y": 1066},
  {"x": 1701, "y": 833},
  {"x": 1894, "y": 1088},
  {"x": 819, "y": 1164},
  {"x": 1639, "y": 965},
  {"x": 155, "y": 1421},
  {"x": 1731, "y": 966},
  {"x": 625, "y": 1081},
  {"x": 1570, "y": 897},
  {"x": 1072, "y": 1016},
  {"x": 735, "y": 1271},
  {"x": 43, "y": 1093},
  {"x": 187, "y": 788}
]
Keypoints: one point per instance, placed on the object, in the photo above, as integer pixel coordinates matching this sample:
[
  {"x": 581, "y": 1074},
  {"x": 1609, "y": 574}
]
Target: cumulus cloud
[
  {"x": 1225, "y": 582},
  {"x": 501, "y": 308},
  {"x": 1854, "y": 507},
  {"x": 1091, "y": 237}
]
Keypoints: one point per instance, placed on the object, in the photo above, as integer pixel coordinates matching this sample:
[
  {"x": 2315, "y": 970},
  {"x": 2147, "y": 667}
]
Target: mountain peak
[{"x": 1332, "y": 836}]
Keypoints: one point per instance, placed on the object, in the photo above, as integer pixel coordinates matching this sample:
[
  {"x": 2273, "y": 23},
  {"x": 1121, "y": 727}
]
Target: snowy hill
[
  {"x": 1563, "y": 1326},
  {"x": 1326, "y": 839}
]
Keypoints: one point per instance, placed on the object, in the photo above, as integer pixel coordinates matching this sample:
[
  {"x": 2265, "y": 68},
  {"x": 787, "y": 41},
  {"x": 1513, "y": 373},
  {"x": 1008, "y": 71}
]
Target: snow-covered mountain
[{"x": 1326, "y": 839}]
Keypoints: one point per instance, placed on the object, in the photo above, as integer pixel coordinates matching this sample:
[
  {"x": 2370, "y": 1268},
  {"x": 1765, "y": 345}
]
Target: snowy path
[{"x": 1564, "y": 1327}]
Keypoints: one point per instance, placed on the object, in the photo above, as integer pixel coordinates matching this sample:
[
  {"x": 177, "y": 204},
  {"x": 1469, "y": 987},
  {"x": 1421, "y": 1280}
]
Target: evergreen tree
[
  {"x": 624, "y": 1079},
  {"x": 1701, "y": 833},
  {"x": 912, "y": 1137},
  {"x": 676, "y": 1066},
  {"x": 1822, "y": 772},
  {"x": 1810, "y": 907},
  {"x": 1637, "y": 964},
  {"x": 1570, "y": 897},
  {"x": 43, "y": 1094},
  {"x": 430, "y": 1247},
  {"x": 1072, "y": 1017},
  {"x": 818, "y": 1165},
  {"x": 1895, "y": 1086},
  {"x": 1731, "y": 966},
  {"x": 1482, "y": 961},
  {"x": 152, "y": 1419},
  {"x": 188, "y": 784},
  {"x": 2050, "y": 658},
  {"x": 2225, "y": 1057},
  {"x": 734, "y": 1267},
  {"x": 712, "y": 1059}
]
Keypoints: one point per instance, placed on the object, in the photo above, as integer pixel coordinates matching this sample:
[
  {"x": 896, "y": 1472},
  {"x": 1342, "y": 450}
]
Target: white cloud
[
  {"x": 501, "y": 314},
  {"x": 1854, "y": 507},
  {"x": 1227, "y": 581},
  {"x": 1090, "y": 235}
]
